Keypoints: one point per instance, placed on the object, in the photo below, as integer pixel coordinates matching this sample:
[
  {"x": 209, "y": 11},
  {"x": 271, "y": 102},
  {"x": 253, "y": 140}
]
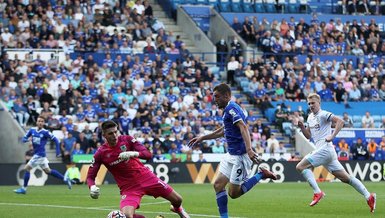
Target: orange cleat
[
  {"x": 316, "y": 198},
  {"x": 372, "y": 202}
]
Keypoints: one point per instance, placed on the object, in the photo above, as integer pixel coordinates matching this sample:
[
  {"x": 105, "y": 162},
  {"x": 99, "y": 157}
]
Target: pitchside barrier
[{"x": 197, "y": 173}]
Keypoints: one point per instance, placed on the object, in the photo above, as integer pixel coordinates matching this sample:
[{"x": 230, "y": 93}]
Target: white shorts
[
  {"x": 326, "y": 156},
  {"x": 235, "y": 167},
  {"x": 38, "y": 161}
]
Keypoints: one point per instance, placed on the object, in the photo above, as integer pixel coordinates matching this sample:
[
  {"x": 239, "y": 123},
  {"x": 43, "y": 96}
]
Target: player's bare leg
[
  {"x": 357, "y": 184},
  {"x": 305, "y": 168},
  {"x": 176, "y": 204},
  {"x": 221, "y": 195},
  {"x": 129, "y": 211}
]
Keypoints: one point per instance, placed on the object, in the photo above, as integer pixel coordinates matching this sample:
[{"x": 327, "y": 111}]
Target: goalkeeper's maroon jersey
[{"x": 127, "y": 173}]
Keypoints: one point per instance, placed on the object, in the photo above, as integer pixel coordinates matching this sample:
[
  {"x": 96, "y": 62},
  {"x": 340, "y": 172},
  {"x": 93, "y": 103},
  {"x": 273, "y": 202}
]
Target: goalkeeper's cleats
[
  {"x": 180, "y": 211},
  {"x": 316, "y": 198},
  {"x": 372, "y": 202},
  {"x": 20, "y": 191}
]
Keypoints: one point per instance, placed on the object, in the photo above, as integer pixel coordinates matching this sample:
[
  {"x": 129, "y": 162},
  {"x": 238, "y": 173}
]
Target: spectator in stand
[
  {"x": 342, "y": 146},
  {"x": 272, "y": 144},
  {"x": 367, "y": 121},
  {"x": 372, "y": 149},
  {"x": 348, "y": 123},
  {"x": 355, "y": 94},
  {"x": 359, "y": 150}
]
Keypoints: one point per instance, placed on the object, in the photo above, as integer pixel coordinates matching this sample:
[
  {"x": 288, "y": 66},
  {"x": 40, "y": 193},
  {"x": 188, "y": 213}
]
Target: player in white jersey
[{"x": 319, "y": 128}]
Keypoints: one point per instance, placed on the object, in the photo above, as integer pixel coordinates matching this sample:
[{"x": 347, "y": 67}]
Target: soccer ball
[{"x": 116, "y": 214}]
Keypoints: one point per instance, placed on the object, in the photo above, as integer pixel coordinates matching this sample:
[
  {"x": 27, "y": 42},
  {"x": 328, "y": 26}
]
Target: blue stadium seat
[
  {"x": 236, "y": 6},
  {"x": 270, "y": 6},
  {"x": 357, "y": 125},
  {"x": 357, "y": 119},
  {"x": 293, "y": 7},
  {"x": 225, "y": 5},
  {"x": 191, "y": 2},
  {"x": 376, "y": 118},
  {"x": 258, "y": 7},
  {"x": 247, "y": 6},
  {"x": 214, "y": 3},
  {"x": 202, "y": 2}
]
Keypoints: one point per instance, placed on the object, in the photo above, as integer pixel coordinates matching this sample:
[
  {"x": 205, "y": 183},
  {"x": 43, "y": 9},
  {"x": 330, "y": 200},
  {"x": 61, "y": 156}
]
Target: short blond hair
[{"x": 314, "y": 95}]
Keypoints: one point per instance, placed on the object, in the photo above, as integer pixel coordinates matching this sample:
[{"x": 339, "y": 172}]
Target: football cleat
[
  {"x": 316, "y": 198},
  {"x": 180, "y": 211},
  {"x": 372, "y": 202},
  {"x": 267, "y": 174},
  {"x": 20, "y": 191}
]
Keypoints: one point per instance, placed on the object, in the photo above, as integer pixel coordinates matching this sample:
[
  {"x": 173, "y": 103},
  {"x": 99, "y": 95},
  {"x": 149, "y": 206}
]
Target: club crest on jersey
[
  {"x": 232, "y": 113},
  {"x": 123, "y": 148}
]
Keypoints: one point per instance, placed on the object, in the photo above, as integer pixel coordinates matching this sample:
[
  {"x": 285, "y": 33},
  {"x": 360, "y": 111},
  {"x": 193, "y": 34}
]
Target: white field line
[{"x": 98, "y": 208}]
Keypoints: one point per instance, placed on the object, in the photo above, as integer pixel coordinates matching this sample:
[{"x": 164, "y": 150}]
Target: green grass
[{"x": 265, "y": 200}]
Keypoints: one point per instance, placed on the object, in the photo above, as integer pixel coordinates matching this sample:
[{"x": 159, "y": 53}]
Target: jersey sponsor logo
[
  {"x": 123, "y": 148},
  {"x": 133, "y": 140}
]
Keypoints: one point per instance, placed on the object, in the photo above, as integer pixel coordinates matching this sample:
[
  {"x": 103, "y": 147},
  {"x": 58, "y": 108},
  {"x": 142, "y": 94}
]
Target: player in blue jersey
[
  {"x": 40, "y": 136},
  {"x": 235, "y": 167}
]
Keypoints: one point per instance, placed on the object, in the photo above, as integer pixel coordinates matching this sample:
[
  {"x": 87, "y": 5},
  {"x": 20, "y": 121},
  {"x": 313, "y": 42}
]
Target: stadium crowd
[{"x": 165, "y": 103}]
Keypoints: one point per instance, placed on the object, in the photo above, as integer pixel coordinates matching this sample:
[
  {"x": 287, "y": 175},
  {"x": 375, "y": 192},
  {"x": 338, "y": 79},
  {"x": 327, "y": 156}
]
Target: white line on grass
[
  {"x": 98, "y": 208},
  {"x": 151, "y": 203}
]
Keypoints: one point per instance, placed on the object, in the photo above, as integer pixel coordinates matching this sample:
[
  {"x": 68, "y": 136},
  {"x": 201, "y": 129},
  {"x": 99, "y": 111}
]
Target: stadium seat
[
  {"x": 258, "y": 7},
  {"x": 270, "y": 6},
  {"x": 357, "y": 118},
  {"x": 236, "y": 6},
  {"x": 191, "y": 2},
  {"x": 202, "y": 2},
  {"x": 357, "y": 125},
  {"x": 293, "y": 7},
  {"x": 303, "y": 6},
  {"x": 247, "y": 6},
  {"x": 224, "y": 6},
  {"x": 214, "y": 3},
  {"x": 377, "y": 118}
]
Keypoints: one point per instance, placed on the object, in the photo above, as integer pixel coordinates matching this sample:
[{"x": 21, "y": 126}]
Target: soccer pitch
[{"x": 265, "y": 200}]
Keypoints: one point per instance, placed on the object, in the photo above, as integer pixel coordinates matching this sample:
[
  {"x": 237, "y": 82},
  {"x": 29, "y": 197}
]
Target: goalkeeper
[{"x": 120, "y": 154}]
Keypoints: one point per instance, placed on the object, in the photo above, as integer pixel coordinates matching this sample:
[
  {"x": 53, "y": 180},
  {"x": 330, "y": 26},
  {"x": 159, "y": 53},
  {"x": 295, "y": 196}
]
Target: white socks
[
  {"x": 308, "y": 175},
  {"x": 357, "y": 184}
]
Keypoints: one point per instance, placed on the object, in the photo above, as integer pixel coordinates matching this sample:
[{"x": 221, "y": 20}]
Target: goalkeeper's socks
[
  {"x": 222, "y": 203},
  {"x": 27, "y": 175},
  {"x": 56, "y": 174},
  {"x": 251, "y": 182}
]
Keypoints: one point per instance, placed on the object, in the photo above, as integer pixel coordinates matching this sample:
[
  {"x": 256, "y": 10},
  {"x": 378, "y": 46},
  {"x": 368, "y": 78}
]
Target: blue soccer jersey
[
  {"x": 233, "y": 113},
  {"x": 39, "y": 140}
]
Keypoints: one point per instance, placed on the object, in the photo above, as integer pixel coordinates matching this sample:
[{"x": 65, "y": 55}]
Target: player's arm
[
  {"x": 137, "y": 149},
  {"x": 246, "y": 138},
  {"x": 339, "y": 123},
  {"x": 304, "y": 130},
  {"x": 91, "y": 175},
  {"x": 26, "y": 136},
  {"x": 220, "y": 132},
  {"x": 57, "y": 143}
]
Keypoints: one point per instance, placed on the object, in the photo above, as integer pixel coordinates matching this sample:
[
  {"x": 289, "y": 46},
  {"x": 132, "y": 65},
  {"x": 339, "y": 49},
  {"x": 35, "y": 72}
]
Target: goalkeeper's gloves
[
  {"x": 94, "y": 192},
  {"x": 126, "y": 155}
]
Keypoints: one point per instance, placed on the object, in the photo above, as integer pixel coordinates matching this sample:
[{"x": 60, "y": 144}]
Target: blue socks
[
  {"x": 27, "y": 175},
  {"x": 56, "y": 174},
  {"x": 251, "y": 182},
  {"x": 222, "y": 203}
]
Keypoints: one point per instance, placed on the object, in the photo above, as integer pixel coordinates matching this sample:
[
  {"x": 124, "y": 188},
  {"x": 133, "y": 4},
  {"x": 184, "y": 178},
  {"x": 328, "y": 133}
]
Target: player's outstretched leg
[
  {"x": 252, "y": 181},
  {"x": 176, "y": 204},
  {"x": 23, "y": 189},
  {"x": 58, "y": 175},
  {"x": 180, "y": 211}
]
